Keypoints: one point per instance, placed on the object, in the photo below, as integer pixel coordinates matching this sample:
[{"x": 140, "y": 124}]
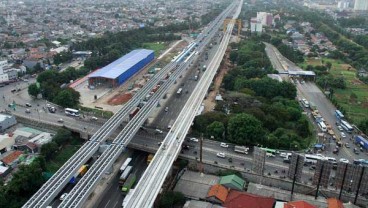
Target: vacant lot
[
  {"x": 156, "y": 46},
  {"x": 354, "y": 99}
]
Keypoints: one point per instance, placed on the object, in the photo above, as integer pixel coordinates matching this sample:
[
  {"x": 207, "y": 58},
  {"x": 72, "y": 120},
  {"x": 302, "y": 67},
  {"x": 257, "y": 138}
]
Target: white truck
[{"x": 241, "y": 149}]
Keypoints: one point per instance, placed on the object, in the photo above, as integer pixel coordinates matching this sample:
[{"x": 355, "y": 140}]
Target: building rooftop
[
  {"x": 298, "y": 204},
  {"x": 218, "y": 191},
  {"x": 234, "y": 180},
  {"x": 334, "y": 203},
  {"x": 11, "y": 157},
  {"x": 237, "y": 199},
  {"x": 121, "y": 65},
  {"x": 3, "y": 117}
]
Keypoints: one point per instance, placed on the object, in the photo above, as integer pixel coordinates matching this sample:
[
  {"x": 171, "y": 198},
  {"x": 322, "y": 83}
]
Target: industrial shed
[{"x": 117, "y": 72}]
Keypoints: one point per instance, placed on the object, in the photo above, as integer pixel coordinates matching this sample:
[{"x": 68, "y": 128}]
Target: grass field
[
  {"x": 63, "y": 155},
  {"x": 356, "y": 109},
  {"x": 156, "y": 46}
]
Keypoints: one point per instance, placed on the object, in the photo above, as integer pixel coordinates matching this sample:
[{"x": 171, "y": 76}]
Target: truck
[
  {"x": 133, "y": 113},
  {"x": 82, "y": 170},
  {"x": 127, "y": 198},
  {"x": 125, "y": 164},
  {"x": 196, "y": 76},
  {"x": 128, "y": 184},
  {"x": 241, "y": 149},
  {"x": 171, "y": 123},
  {"x": 124, "y": 176},
  {"x": 361, "y": 141},
  {"x": 149, "y": 158}
]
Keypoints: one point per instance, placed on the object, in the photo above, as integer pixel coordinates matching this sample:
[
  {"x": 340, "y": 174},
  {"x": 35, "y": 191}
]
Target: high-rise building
[
  {"x": 255, "y": 25},
  {"x": 361, "y": 5},
  {"x": 342, "y": 5},
  {"x": 265, "y": 18}
]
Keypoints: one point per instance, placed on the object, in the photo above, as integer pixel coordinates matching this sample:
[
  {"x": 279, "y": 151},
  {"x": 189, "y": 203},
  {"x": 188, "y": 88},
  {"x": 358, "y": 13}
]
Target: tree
[
  {"x": 172, "y": 199},
  {"x": 363, "y": 126},
  {"x": 37, "y": 67},
  {"x": 328, "y": 65},
  {"x": 62, "y": 136},
  {"x": 33, "y": 90},
  {"x": 245, "y": 129},
  {"x": 67, "y": 98},
  {"x": 216, "y": 129},
  {"x": 48, "y": 150}
]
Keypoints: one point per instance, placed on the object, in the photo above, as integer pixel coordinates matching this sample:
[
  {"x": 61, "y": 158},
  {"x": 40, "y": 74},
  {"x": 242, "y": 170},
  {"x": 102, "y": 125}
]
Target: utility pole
[{"x": 200, "y": 154}]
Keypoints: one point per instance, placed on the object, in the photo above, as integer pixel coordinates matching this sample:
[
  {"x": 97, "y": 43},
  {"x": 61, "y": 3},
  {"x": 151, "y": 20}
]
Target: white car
[
  {"x": 61, "y": 120},
  {"x": 63, "y": 196},
  {"x": 94, "y": 118},
  {"x": 340, "y": 128},
  {"x": 224, "y": 145},
  {"x": 158, "y": 131},
  {"x": 193, "y": 139},
  {"x": 221, "y": 154},
  {"x": 343, "y": 160},
  {"x": 342, "y": 134}
]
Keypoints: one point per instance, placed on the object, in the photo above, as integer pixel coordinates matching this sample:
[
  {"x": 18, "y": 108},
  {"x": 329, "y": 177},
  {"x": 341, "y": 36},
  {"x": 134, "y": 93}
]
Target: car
[
  {"x": 347, "y": 145},
  {"x": 340, "y": 128},
  {"x": 286, "y": 160},
  {"x": 28, "y": 111},
  {"x": 302, "y": 82},
  {"x": 193, "y": 139},
  {"x": 343, "y": 135},
  {"x": 166, "y": 109},
  {"x": 224, "y": 145},
  {"x": 335, "y": 151},
  {"x": 159, "y": 143},
  {"x": 94, "y": 118},
  {"x": 63, "y": 196},
  {"x": 28, "y": 105},
  {"x": 158, "y": 131},
  {"x": 13, "y": 90},
  {"x": 343, "y": 160},
  {"x": 60, "y": 120},
  {"x": 221, "y": 154}
]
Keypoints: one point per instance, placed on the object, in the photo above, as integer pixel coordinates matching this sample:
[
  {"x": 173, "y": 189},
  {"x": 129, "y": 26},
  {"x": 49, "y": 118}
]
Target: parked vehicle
[{"x": 224, "y": 145}]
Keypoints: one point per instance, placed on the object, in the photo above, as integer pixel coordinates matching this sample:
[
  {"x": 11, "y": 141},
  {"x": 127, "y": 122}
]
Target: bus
[
  {"x": 125, "y": 164},
  {"x": 179, "y": 91},
  {"x": 322, "y": 126},
  {"x": 71, "y": 112},
  {"x": 339, "y": 115},
  {"x": 346, "y": 126},
  {"x": 313, "y": 158},
  {"x": 270, "y": 152},
  {"x": 128, "y": 184},
  {"x": 123, "y": 177},
  {"x": 305, "y": 103}
]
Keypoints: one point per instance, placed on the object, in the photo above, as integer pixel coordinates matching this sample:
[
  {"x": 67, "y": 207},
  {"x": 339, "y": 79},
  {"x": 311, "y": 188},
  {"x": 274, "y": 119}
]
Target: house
[
  {"x": 334, "y": 203},
  {"x": 12, "y": 159},
  {"x": 6, "y": 143},
  {"x": 298, "y": 204},
  {"x": 232, "y": 182},
  {"x": 237, "y": 199},
  {"x": 217, "y": 194},
  {"x": 6, "y": 121},
  {"x": 4, "y": 171}
]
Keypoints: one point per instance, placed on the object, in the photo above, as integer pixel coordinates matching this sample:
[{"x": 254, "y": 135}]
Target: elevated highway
[{"x": 150, "y": 184}]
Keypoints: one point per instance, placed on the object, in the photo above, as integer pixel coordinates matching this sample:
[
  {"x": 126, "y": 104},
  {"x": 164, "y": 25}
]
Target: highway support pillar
[
  {"x": 294, "y": 178},
  {"x": 200, "y": 154},
  {"x": 343, "y": 181},
  {"x": 360, "y": 181},
  {"x": 319, "y": 180}
]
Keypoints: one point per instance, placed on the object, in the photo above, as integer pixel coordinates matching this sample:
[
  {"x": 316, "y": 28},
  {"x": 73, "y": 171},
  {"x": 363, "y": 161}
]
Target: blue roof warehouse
[{"x": 117, "y": 72}]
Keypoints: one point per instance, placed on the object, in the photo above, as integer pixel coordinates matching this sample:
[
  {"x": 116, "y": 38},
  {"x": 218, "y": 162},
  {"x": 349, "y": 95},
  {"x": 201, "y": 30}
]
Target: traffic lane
[{"x": 112, "y": 195}]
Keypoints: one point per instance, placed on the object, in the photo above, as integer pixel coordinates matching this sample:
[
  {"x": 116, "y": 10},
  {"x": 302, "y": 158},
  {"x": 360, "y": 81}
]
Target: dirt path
[{"x": 210, "y": 103}]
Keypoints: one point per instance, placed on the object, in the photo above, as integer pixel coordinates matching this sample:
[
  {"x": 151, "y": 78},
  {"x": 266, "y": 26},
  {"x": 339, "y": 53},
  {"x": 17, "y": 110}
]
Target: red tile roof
[
  {"x": 237, "y": 199},
  {"x": 218, "y": 191},
  {"x": 11, "y": 157},
  {"x": 334, "y": 203},
  {"x": 298, "y": 204}
]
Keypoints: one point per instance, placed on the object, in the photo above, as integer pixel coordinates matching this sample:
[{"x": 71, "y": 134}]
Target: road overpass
[{"x": 54, "y": 185}]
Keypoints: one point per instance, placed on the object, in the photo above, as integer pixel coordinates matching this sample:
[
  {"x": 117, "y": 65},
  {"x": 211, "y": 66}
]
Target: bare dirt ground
[{"x": 210, "y": 102}]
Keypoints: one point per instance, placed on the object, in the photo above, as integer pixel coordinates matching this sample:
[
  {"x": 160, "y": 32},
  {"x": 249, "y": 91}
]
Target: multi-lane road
[{"x": 312, "y": 93}]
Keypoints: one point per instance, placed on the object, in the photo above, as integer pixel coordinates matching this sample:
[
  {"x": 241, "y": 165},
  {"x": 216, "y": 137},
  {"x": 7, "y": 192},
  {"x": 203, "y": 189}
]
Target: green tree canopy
[
  {"x": 216, "y": 129},
  {"x": 245, "y": 129},
  {"x": 33, "y": 90},
  {"x": 67, "y": 98}
]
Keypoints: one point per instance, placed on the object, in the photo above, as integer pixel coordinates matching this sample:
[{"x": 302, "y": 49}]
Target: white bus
[
  {"x": 71, "y": 112},
  {"x": 125, "y": 164},
  {"x": 322, "y": 126},
  {"x": 346, "y": 126},
  {"x": 305, "y": 103},
  {"x": 125, "y": 175},
  {"x": 313, "y": 158}
]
